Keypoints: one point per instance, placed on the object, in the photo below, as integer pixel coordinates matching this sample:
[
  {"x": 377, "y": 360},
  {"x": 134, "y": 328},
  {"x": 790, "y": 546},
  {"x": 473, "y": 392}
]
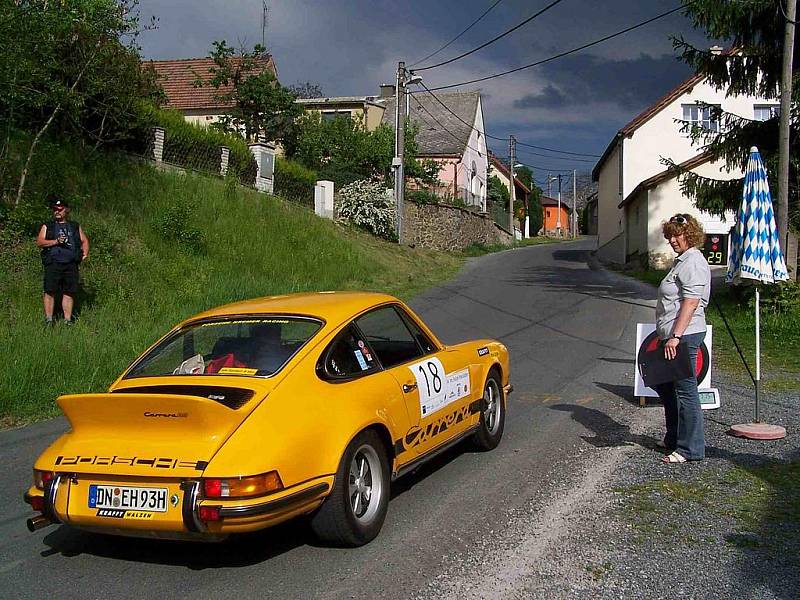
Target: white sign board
[
  {"x": 436, "y": 388},
  {"x": 645, "y": 332}
]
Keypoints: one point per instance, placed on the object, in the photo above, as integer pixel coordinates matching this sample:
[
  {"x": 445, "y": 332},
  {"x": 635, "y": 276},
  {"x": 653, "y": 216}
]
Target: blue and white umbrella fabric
[{"x": 755, "y": 252}]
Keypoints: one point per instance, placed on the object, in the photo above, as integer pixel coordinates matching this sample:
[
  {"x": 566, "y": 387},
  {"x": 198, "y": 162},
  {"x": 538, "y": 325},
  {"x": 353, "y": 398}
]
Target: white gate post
[
  {"x": 323, "y": 199},
  {"x": 224, "y": 156},
  {"x": 158, "y": 144}
]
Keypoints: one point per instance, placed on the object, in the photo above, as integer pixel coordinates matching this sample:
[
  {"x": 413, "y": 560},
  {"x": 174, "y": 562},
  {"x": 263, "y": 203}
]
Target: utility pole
[
  {"x": 399, "y": 146},
  {"x": 558, "y": 214},
  {"x": 574, "y": 204},
  {"x": 783, "y": 135},
  {"x": 512, "y": 197}
]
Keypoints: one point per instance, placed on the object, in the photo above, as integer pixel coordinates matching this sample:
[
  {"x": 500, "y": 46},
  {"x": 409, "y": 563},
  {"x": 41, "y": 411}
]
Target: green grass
[
  {"x": 231, "y": 244},
  {"x": 780, "y": 332},
  {"x": 760, "y": 506},
  {"x": 479, "y": 249}
]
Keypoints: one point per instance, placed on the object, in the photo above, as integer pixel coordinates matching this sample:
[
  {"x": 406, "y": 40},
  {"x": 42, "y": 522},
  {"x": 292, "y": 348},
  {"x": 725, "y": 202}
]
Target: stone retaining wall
[{"x": 444, "y": 227}]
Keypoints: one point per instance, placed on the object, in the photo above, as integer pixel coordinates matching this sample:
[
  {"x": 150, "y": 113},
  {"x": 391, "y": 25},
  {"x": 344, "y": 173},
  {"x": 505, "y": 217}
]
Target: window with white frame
[
  {"x": 700, "y": 116},
  {"x": 764, "y": 112}
]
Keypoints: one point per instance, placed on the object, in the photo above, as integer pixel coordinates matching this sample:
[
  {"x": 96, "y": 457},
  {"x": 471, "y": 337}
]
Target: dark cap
[{"x": 57, "y": 203}]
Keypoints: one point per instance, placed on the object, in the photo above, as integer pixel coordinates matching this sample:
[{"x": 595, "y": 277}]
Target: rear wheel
[
  {"x": 354, "y": 512},
  {"x": 493, "y": 414}
]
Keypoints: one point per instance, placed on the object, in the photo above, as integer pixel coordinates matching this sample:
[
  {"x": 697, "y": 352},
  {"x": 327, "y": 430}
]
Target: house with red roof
[
  {"x": 636, "y": 189},
  {"x": 199, "y": 104}
]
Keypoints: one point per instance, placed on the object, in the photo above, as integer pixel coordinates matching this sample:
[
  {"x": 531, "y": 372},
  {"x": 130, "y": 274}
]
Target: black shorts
[{"x": 61, "y": 278}]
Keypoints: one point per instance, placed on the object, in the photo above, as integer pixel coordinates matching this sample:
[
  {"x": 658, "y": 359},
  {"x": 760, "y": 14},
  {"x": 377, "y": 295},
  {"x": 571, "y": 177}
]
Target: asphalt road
[{"x": 570, "y": 330}]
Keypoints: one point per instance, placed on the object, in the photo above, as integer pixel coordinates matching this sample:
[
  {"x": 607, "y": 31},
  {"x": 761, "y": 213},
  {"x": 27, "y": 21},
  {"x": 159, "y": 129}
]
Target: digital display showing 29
[{"x": 715, "y": 248}]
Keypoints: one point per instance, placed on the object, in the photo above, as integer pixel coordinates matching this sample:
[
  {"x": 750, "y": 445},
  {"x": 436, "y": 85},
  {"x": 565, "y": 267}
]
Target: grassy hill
[{"x": 165, "y": 245}]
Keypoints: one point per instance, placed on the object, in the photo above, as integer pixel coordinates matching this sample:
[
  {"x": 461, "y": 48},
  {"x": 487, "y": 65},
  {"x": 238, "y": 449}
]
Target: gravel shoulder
[{"x": 623, "y": 525}]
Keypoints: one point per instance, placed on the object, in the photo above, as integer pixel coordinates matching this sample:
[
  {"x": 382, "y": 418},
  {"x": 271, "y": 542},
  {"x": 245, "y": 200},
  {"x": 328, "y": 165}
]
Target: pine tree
[{"x": 753, "y": 31}]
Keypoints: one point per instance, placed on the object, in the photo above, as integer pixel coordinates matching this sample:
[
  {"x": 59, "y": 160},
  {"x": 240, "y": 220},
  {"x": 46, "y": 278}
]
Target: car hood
[{"x": 142, "y": 434}]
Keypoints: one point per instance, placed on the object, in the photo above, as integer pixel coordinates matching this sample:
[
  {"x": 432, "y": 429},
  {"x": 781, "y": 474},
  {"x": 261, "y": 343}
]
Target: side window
[
  {"x": 389, "y": 336},
  {"x": 347, "y": 356},
  {"x": 423, "y": 340}
]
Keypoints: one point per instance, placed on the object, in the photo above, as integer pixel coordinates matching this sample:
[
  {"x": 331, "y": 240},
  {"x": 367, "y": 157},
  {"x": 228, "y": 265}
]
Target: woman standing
[{"x": 680, "y": 319}]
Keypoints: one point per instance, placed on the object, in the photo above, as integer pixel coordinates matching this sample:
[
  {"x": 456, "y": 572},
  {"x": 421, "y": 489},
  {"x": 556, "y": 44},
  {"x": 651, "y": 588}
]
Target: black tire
[
  {"x": 493, "y": 414},
  {"x": 353, "y": 513}
]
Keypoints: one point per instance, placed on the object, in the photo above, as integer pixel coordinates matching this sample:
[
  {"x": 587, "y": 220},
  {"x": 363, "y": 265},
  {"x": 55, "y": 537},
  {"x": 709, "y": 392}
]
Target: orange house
[{"x": 551, "y": 218}]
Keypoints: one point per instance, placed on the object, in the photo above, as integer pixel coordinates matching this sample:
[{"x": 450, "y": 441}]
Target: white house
[
  {"x": 454, "y": 137},
  {"x": 637, "y": 192}
]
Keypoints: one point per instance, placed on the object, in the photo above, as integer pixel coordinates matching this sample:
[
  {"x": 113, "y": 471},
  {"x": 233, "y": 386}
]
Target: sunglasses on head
[{"x": 680, "y": 219}]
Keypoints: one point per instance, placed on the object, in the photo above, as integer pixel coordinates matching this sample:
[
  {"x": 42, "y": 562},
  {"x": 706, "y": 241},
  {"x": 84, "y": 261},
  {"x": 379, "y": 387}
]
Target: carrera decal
[
  {"x": 109, "y": 461},
  {"x": 417, "y": 436},
  {"x": 237, "y": 371},
  {"x": 483, "y": 351},
  {"x": 436, "y": 388}
]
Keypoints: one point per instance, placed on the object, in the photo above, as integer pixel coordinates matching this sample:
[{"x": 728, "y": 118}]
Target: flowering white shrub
[{"x": 366, "y": 204}]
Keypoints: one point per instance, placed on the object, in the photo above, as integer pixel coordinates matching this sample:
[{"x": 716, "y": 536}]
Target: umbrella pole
[{"x": 758, "y": 346}]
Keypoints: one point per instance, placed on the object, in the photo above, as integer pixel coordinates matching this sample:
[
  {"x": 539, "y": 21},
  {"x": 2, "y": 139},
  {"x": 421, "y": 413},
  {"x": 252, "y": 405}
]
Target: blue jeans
[{"x": 682, "y": 410}]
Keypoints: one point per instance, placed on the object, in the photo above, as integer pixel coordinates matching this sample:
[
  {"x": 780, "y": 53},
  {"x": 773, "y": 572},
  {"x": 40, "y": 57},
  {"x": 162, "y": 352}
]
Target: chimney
[
  {"x": 387, "y": 90},
  {"x": 716, "y": 50}
]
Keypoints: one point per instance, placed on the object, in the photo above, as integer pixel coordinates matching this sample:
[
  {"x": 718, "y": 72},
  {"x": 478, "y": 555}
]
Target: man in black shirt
[{"x": 64, "y": 246}]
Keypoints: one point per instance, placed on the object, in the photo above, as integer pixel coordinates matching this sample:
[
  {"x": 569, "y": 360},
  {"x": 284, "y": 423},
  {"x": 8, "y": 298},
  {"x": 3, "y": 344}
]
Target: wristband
[{"x": 676, "y": 336}]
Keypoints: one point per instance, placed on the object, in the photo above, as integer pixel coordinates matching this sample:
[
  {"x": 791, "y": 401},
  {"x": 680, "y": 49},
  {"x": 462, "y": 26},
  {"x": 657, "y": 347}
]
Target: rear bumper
[{"x": 236, "y": 516}]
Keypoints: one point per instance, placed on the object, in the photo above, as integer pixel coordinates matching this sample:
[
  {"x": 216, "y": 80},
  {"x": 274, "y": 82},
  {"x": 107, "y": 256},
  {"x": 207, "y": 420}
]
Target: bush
[
  {"x": 422, "y": 197},
  {"x": 197, "y": 147},
  {"x": 174, "y": 224},
  {"x": 294, "y": 182},
  {"x": 366, "y": 204}
]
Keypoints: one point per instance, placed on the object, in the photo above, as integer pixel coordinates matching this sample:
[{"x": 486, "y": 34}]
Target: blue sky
[{"x": 349, "y": 47}]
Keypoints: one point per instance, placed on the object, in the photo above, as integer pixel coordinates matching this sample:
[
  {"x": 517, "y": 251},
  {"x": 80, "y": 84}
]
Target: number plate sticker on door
[
  {"x": 436, "y": 388},
  {"x": 115, "y": 500}
]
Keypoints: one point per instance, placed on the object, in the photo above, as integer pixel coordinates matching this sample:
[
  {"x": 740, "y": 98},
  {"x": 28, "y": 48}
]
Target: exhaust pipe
[{"x": 38, "y": 522}]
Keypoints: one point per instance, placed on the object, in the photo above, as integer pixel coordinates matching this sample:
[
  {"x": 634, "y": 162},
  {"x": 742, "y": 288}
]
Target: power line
[
  {"x": 493, "y": 40},
  {"x": 561, "y": 151},
  {"x": 562, "y": 54},
  {"x": 569, "y": 158},
  {"x": 471, "y": 25},
  {"x": 494, "y": 137}
]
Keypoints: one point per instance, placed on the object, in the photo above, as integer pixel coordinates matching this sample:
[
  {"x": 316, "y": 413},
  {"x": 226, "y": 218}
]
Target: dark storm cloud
[{"x": 631, "y": 84}]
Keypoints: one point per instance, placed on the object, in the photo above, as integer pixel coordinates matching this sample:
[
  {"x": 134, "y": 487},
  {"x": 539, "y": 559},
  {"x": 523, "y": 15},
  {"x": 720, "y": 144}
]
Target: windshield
[{"x": 251, "y": 346}]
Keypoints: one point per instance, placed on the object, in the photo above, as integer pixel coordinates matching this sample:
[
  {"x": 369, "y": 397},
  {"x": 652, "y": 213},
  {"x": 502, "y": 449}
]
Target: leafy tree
[
  {"x": 261, "y": 107},
  {"x": 525, "y": 175},
  {"x": 535, "y": 213},
  {"x": 64, "y": 66},
  {"x": 755, "y": 30},
  {"x": 306, "y": 90},
  {"x": 497, "y": 192},
  {"x": 344, "y": 151}
]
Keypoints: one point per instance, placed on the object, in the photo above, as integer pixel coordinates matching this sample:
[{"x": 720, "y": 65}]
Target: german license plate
[{"x": 118, "y": 497}]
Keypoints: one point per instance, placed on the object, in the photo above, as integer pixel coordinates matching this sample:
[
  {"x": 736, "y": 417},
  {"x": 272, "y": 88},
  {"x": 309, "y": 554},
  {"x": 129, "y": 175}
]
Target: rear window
[{"x": 249, "y": 346}]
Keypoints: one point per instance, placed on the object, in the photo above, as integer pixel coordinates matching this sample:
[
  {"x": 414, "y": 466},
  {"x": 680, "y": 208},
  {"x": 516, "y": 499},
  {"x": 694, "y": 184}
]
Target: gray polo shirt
[{"x": 690, "y": 277}]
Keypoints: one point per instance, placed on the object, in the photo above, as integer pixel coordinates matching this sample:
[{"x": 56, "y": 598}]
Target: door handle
[{"x": 409, "y": 387}]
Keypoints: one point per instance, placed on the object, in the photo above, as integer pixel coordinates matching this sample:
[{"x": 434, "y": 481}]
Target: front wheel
[
  {"x": 354, "y": 512},
  {"x": 493, "y": 414}
]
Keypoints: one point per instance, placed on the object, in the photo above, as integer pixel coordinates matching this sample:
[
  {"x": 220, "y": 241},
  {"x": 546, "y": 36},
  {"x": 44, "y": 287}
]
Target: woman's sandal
[{"x": 673, "y": 458}]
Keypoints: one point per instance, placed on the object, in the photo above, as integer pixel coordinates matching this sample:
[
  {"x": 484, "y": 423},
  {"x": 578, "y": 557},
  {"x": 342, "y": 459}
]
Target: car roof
[{"x": 332, "y": 307}]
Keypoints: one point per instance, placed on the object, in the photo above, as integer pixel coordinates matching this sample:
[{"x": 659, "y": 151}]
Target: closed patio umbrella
[{"x": 756, "y": 258}]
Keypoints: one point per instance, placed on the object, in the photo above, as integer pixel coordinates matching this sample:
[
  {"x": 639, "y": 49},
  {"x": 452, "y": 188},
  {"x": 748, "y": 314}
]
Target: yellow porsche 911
[{"x": 250, "y": 414}]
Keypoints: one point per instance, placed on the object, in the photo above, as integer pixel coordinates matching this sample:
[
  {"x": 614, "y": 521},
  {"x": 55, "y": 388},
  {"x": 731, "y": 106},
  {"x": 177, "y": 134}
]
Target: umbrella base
[{"x": 758, "y": 431}]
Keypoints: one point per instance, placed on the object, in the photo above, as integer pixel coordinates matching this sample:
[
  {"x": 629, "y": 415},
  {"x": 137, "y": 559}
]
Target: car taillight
[
  {"x": 37, "y": 503},
  {"x": 209, "y": 513},
  {"x": 41, "y": 477},
  {"x": 242, "y": 487}
]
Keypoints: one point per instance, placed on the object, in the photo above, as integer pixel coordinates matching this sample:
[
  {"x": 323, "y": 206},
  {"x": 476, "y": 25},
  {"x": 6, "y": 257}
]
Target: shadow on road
[{"x": 607, "y": 431}]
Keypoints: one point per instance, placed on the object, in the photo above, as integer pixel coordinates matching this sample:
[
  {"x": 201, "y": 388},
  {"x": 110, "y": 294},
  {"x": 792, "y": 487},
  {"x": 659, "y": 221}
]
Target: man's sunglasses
[
  {"x": 680, "y": 219},
  {"x": 59, "y": 208}
]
